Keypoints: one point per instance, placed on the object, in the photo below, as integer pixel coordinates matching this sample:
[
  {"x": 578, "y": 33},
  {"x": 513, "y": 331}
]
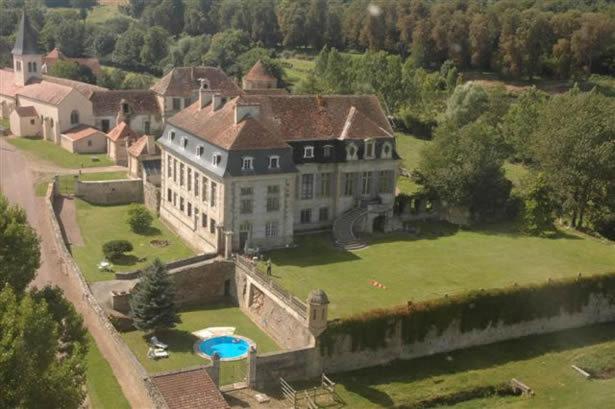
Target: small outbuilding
[
  {"x": 25, "y": 121},
  {"x": 120, "y": 138},
  {"x": 259, "y": 77},
  {"x": 84, "y": 139}
]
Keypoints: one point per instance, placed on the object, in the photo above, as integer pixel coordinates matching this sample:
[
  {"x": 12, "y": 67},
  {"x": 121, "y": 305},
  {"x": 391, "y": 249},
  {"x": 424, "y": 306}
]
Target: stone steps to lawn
[{"x": 343, "y": 230}]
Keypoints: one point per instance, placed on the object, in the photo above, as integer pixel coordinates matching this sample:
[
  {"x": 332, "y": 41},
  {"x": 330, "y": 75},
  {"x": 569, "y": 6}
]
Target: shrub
[
  {"x": 139, "y": 219},
  {"x": 115, "y": 249}
]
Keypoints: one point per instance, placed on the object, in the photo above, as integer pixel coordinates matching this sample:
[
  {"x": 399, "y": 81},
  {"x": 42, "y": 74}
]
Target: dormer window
[
  {"x": 327, "y": 150},
  {"x": 125, "y": 108},
  {"x": 200, "y": 151},
  {"x": 274, "y": 162},
  {"x": 172, "y": 135},
  {"x": 351, "y": 152},
  {"x": 370, "y": 149},
  {"x": 308, "y": 152},
  {"x": 247, "y": 163},
  {"x": 184, "y": 143},
  {"x": 387, "y": 151},
  {"x": 216, "y": 159}
]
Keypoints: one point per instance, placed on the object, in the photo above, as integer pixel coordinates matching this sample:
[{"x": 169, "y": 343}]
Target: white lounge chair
[
  {"x": 155, "y": 342},
  {"x": 157, "y": 353}
]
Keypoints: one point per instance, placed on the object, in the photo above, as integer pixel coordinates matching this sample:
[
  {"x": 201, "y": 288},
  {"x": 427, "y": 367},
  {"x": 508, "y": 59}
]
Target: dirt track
[{"x": 17, "y": 184}]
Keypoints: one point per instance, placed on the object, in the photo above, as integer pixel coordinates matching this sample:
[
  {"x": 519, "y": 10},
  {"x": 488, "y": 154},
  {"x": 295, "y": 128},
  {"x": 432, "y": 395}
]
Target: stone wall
[
  {"x": 110, "y": 192},
  {"x": 302, "y": 364},
  {"x": 151, "y": 197}
]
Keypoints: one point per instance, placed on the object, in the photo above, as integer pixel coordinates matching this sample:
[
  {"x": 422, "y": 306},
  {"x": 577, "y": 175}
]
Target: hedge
[{"x": 475, "y": 310}]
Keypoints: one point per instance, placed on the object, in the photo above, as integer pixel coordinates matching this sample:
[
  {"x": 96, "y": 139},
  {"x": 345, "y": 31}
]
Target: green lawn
[
  {"x": 100, "y": 224},
  {"x": 102, "y": 13},
  {"x": 542, "y": 362},
  {"x": 67, "y": 182},
  {"x": 103, "y": 389},
  {"x": 440, "y": 260},
  {"x": 296, "y": 69},
  {"x": 51, "y": 152},
  {"x": 181, "y": 341}
]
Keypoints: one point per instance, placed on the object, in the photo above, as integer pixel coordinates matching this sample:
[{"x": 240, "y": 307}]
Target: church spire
[{"x": 26, "y": 38}]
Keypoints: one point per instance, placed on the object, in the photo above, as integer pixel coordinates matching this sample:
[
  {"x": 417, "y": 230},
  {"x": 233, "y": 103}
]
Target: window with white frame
[
  {"x": 274, "y": 162},
  {"x": 172, "y": 135},
  {"x": 327, "y": 151},
  {"x": 349, "y": 179},
  {"x": 370, "y": 149},
  {"x": 184, "y": 143},
  {"x": 216, "y": 159},
  {"x": 247, "y": 191},
  {"x": 246, "y": 206},
  {"x": 366, "y": 183},
  {"x": 271, "y": 229},
  {"x": 324, "y": 189},
  {"x": 307, "y": 186},
  {"x": 247, "y": 163},
  {"x": 387, "y": 151},
  {"x": 308, "y": 152},
  {"x": 200, "y": 150},
  {"x": 351, "y": 152}
]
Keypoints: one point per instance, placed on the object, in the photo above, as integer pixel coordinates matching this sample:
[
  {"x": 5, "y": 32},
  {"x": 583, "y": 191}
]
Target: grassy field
[
  {"x": 181, "y": 341},
  {"x": 53, "y": 153},
  {"x": 99, "y": 224},
  {"x": 439, "y": 260},
  {"x": 542, "y": 362},
  {"x": 67, "y": 182},
  {"x": 102, "y": 13},
  {"x": 103, "y": 390},
  {"x": 296, "y": 69}
]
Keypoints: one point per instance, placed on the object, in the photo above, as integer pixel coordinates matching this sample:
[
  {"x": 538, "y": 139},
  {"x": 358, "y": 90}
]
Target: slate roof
[
  {"x": 259, "y": 72},
  {"x": 26, "y": 38},
  {"x": 287, "y": 118},
  {"x": 26, "y": 112},
  {"x": 122, "y": 131},
  {"x": 108, "y": 103},
  {"x": 80, "y": 132},
  {"x": 190, "y": 389},
  {"x": 183, "y": 81}
]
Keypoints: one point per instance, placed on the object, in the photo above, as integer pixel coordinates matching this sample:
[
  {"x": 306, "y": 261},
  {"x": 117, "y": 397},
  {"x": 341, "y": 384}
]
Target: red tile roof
[
  {"x": 259, "y": 72},
  {"x": 286, "y": 118},
  {"x": 184, "y": 81},
  {"x": 122, "y": 131},
  {"x": 45, "y": 91},
  {"x": 7, "y": 83},
  {"x": 25, "y": 112},
  {"x": 84, "y": 88},
  {"x": 266, "y": 91},
  {"x": 140, "y": 148},
  {"x": 190, "y": 389},
  {"x": 108, "y": 103},
  {"x": 80, "y": 132}
]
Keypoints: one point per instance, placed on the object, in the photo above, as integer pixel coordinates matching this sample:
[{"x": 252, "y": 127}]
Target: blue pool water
[{"x": 227, "y": 347}]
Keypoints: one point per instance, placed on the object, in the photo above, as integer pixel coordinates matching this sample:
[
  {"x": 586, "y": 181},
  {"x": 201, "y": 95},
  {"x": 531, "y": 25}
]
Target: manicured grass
[
  {"x": 102, "y": 13},
  {"x": 440, "y": 260},
  {"x": 104, "y": 391},
  {"x": 515, "y": 172},
  {"x": 67, "y": 182},
  {"x": 51, "y": 152},
  {"x": 181, "y": 341},
  {"x": 542, "y": 362},
  {"x": 100, "y": 224}
]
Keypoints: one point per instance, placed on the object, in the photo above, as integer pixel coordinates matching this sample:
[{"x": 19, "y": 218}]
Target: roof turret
[{"x": 26, "y": 38}]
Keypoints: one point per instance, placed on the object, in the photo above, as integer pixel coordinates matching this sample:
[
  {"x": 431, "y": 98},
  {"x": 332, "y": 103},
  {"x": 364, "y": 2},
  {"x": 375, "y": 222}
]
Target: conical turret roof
[{"x": 26, "y": 38}]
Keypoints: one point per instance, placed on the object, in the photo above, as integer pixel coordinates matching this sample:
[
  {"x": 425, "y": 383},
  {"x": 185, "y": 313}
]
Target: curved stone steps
[{"x": 343, "y": 230}]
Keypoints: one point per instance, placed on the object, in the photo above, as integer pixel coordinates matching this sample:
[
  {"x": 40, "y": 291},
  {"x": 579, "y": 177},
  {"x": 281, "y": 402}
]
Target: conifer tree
[{"x": 152, "y": 306}]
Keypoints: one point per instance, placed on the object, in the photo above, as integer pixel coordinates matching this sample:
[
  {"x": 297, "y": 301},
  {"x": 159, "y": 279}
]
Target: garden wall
[
  {"x": 151, "y": 197},
  {"x": 110, "y": 192},
  {"x": 444, "y": 325}
]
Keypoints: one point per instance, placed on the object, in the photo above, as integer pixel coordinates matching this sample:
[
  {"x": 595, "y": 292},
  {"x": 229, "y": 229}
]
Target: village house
[
  {"x": 56, "y": 55},
  {"x": 253, "y": 170}
]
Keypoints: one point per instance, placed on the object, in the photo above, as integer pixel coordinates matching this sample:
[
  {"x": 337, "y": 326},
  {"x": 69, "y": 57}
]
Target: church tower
[{"x": 27, "y": 57}]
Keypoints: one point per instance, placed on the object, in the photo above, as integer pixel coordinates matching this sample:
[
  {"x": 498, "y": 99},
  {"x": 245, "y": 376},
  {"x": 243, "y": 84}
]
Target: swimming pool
[{"x": 228, "y": 347}]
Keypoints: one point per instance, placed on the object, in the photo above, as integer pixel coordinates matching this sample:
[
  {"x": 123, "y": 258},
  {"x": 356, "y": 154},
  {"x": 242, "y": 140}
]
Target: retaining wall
[
  {"x": 74, "y": 274},
  {"x": 110, "y": 192},
  {"x": 151, "y": 197}
]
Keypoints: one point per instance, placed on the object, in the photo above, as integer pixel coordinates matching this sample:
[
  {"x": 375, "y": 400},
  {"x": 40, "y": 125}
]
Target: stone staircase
[{"x": 343, "y": 230}]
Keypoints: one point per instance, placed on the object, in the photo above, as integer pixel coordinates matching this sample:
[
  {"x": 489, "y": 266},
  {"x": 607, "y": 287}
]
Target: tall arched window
[{"x": 74, "y": 117}]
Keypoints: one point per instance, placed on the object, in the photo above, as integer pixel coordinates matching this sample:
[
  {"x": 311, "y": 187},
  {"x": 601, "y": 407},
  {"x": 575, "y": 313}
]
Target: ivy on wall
[{"x": 475, "y": 310}]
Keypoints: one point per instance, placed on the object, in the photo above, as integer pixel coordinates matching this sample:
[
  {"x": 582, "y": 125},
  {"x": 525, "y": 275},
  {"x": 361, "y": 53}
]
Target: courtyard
[
  {"x": 97, "y": 225},
  {"x": 181, "y": 341},
  {"x": 442, "y": 259}
]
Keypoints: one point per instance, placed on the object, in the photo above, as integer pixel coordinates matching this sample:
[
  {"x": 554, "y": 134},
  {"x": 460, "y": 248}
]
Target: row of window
[
  {"x": 305, "y": 216},
  {"x": 349, "y": 183},
  {"x": 272, "y": 204},
  {"x": 32, "y": 66},
  {"x": 272, "y": 229},
  {"x": 352, "y": 150},
  {"x": 192, "y": 181},
  {"x": 186, "y": 207}
]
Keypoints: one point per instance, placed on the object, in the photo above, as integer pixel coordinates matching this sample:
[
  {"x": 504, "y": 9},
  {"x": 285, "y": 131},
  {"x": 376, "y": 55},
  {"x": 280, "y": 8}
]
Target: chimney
[
  {"x": 218, "y": 101},
  {"x": 151, "y": 145},
  {"x": 205, "y": 94},
  {"x": 243, "y": 110}
]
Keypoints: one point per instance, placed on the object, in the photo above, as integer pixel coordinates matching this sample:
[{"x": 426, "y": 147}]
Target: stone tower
[
  {"x": 318, "y": 305},
  {"x": 27, "y": 56}
]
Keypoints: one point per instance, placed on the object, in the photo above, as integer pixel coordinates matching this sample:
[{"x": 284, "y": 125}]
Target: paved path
[
  {"x": 17, "y": 184},
  {"x": 67, "y": 211}
]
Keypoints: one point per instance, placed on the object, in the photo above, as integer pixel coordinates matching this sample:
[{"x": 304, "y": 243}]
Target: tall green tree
[
  {"x": 128, "y": 47},
  {"x": 537, "y": 214},
  {"x": 575, "y": 148},
  {"x": 225, "y": 48},
  {"x": 155, "y": 47},
  {"x": 152, "y": 305},
  {"x": 73, "y": 71},
  {"x": 20, "y": 254},
  {"x": 468, "y": 102},
  {"x": 520, "y": 123}
]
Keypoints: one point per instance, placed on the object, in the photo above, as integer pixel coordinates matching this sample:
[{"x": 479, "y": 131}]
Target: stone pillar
[
  {"x": 228, "y": 244},
  {"x": 251, "y": 375},
  {"x": 215, "y": 369},
  {"x": 317, "y": 312}
]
